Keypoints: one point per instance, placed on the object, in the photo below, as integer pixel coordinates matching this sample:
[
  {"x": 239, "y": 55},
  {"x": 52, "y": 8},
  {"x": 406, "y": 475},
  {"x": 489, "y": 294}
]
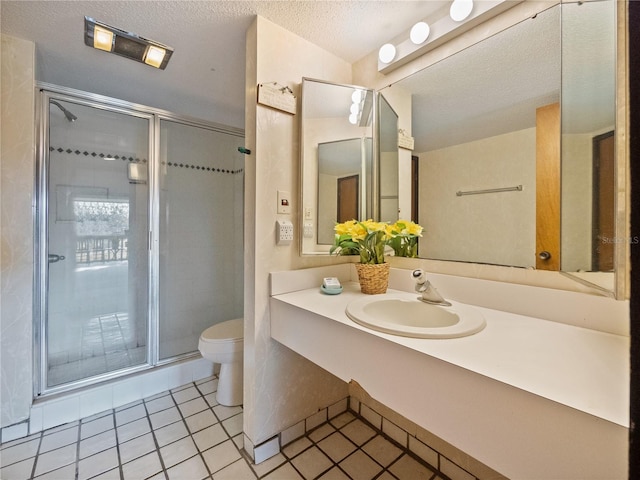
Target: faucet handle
[{"x": 419, "y": 276}]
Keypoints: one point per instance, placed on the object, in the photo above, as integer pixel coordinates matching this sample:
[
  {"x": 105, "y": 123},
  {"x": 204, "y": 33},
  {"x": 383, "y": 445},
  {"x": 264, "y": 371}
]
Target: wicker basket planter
[{"x": 374, "y": 278}]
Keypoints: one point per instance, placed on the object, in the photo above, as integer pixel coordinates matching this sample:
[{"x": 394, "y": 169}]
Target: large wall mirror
[
  {"x": 474, "y": 124},
  {"x": 588, "y": 141},
  {"x": 477, "y": 118}
]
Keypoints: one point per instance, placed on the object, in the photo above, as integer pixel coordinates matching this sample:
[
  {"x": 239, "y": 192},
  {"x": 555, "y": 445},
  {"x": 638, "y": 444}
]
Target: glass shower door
[
  {"x": 97, "y": 242},
  {"x": 200, "y": 231}
]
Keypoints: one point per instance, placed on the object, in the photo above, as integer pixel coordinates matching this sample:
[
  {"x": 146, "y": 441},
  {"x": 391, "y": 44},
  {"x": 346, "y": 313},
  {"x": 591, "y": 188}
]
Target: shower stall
[{"x": 139, "y": 245}]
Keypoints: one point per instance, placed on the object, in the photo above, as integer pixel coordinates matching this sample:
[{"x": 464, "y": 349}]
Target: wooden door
[
  {"x": 548, "y": 187},
  {"x": 603, "y": 202},
  {"x": 348, "y": 198}
]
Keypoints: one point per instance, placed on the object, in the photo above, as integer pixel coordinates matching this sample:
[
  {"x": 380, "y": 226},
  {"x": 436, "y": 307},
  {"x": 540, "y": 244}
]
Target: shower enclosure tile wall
[{"x": 140, "y": 234}]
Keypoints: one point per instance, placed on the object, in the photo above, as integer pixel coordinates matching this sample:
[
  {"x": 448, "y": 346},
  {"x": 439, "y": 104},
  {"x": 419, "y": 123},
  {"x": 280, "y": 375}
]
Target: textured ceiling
[{"x": 205, "y": 77}]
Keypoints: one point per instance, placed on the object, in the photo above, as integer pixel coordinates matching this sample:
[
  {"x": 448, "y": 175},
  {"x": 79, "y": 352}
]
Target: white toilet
[{"x": 223, "y": 343}]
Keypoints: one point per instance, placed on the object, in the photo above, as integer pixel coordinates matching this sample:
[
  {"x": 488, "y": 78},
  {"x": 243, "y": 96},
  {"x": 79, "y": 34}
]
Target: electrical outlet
[
  {"x": 308, "y": 229},
  {"x": 284, "y": 232}
]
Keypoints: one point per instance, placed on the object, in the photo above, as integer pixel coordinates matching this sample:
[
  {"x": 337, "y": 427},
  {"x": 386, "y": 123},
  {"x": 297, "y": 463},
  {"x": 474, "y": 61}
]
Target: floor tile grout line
[
  {"x": 78, "y": 439},
  {"x": 199, "y": 453},
  {"x": 115, "y": 431},
  {"x": 219, "y": 421},
  {"x": 155, "y": 441},
  {"x": 35, "y": 459}
]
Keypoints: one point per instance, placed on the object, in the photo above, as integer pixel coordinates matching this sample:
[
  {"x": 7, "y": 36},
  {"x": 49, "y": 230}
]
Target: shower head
[{"x": 70, "y": 116}]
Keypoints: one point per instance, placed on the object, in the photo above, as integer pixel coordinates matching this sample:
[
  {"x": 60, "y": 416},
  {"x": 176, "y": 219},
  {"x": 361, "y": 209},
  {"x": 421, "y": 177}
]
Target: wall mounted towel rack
[{"x": 517, "y": 188}]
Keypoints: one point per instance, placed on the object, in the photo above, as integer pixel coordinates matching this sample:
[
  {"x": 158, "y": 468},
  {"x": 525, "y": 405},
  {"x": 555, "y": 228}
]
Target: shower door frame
[{"x": 45, "y": 92}]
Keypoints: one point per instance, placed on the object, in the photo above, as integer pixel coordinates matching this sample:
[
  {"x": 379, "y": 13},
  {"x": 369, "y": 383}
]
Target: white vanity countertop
[{"x": 585, "y": 369}]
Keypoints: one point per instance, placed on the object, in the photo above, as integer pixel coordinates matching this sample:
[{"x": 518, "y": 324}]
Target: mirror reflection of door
[
  {"x": 348, "y": 188},
  {"x": 548, "y": 201},
  {"x": 343, "y": 176},
  {"x": 603, "y": 202}
]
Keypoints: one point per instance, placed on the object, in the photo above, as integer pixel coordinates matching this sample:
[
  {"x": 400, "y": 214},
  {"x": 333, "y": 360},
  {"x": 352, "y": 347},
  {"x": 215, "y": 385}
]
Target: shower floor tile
[
  {"x": 184, "y": 434},
  {"x": 105, "y": 343}
]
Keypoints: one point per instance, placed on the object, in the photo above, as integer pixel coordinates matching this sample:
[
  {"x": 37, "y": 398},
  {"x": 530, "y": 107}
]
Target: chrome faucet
[{"x": 428, "y": 292}]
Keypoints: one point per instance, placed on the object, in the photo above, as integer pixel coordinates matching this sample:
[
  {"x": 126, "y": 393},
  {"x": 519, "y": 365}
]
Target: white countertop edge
[{"x": 581, "y": 368}]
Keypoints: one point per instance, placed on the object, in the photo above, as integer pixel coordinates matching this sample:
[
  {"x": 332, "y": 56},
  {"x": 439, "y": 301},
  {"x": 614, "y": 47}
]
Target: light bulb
[
  {"x": 419, "y": 33},
  {"x": 353, "y": 119},
  {"x": 102, "y": 39},
  {"x": 387, "y": 53},
  {"x": 460, "y": 10},
  {"x": 154, "y": 56},
  {"x": 355, "y": 108},
  {"x": 356, "y": 96}
]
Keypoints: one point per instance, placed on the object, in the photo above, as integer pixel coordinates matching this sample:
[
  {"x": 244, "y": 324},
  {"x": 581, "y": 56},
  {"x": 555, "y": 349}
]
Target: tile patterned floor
[{"x": 185, "y": 435}]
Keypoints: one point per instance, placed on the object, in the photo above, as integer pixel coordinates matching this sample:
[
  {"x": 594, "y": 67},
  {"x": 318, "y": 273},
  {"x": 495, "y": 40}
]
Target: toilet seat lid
[{"x": 224, "y": 331}]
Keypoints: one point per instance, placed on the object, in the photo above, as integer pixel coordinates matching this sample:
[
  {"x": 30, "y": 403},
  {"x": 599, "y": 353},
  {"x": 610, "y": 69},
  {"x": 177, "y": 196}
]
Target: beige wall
[
  {"x": 280, "y": 387},
  {"x": 504, "y": 224},
  {"x": 16, "y": 227}
]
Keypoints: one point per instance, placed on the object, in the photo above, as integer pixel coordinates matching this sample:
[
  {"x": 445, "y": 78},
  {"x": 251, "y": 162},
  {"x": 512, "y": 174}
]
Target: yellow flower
[
  {"x": 344, "y": 228},
  {"x": 407, "y": 227},
  {"x": 368, "y": 239}
]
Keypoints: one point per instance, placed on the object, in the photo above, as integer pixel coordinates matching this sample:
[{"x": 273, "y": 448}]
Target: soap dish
[{"x": 331, "y": 291}]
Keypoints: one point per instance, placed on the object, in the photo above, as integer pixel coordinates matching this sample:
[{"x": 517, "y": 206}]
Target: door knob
[{"x": 544, "y": 255}]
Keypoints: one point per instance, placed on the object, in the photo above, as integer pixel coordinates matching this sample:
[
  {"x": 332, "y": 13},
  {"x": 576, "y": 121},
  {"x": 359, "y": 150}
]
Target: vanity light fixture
[
  {"x": 114, "y": 40},
  {"x": 460, "y": 10},
  {"x": 463, "y": 15},
  {"x": 419, "y": 33},
  {"x": 387, "y": 53},
  {"x": 360, "y": 109},
  {"x": 356, "y": 107}
]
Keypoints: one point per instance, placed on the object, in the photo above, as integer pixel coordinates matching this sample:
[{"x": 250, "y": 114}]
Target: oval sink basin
[{"x": 404, "y": 314}]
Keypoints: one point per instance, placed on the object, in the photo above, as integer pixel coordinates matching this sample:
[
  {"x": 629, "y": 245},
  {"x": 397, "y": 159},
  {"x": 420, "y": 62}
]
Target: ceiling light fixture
[
  {"x": 111, "y": 39},
  {"x": 102, "y": 39},
  {"x": 423, "y": 37}
]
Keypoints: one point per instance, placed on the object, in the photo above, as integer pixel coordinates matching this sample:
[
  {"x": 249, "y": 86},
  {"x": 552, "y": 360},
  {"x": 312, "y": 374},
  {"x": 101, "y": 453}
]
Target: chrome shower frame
[{"x": 44, "y": 93}]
